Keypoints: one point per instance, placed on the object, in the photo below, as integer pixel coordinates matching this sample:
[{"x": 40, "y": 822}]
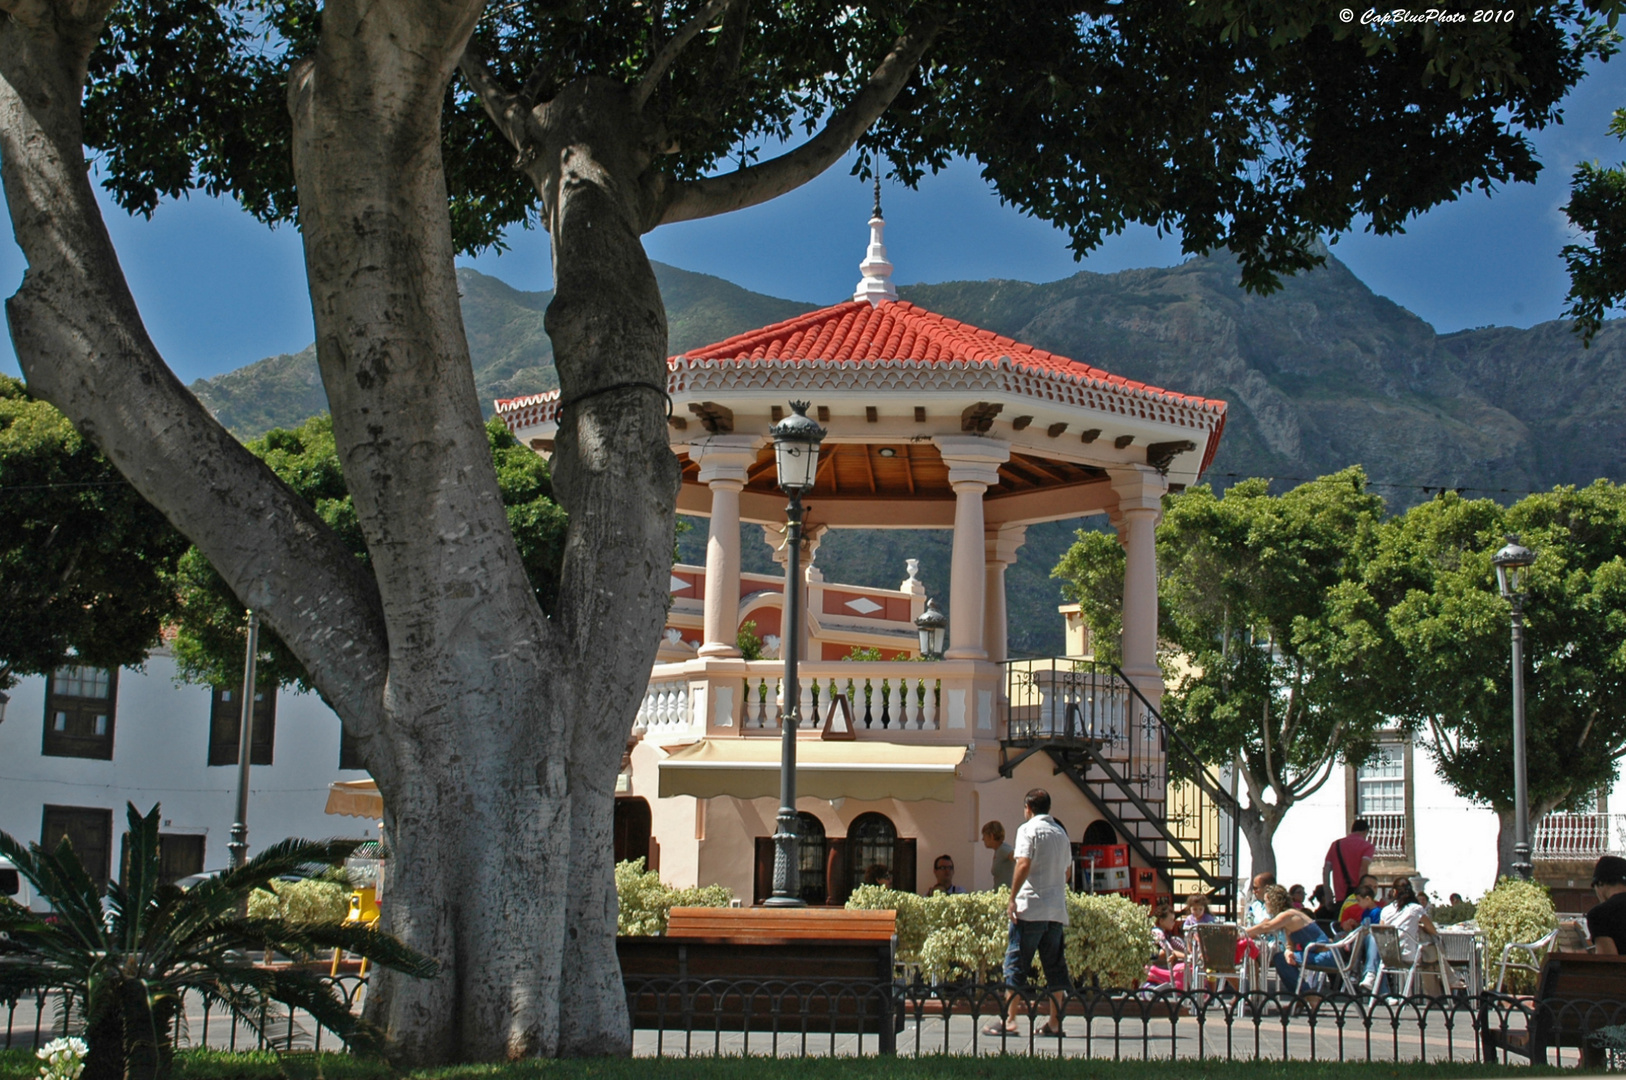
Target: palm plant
[{"x": 126, "y": 970}]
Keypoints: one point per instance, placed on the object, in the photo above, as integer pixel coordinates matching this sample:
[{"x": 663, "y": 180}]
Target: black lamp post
[
  {"x": 238, "y": 844},
  {"x": 933, "y": 627},
  {"x": 796, "y": 452},
  {"x": 1512, "y": 569}
]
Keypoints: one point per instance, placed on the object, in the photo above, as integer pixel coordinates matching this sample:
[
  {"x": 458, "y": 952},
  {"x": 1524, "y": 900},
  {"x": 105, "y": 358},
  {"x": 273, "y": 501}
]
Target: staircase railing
[{"x": 1101, "y": 730}]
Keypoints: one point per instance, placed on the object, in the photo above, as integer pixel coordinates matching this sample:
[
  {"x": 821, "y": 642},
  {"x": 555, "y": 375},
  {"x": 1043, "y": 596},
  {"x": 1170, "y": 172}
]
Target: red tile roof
[
  {"x": 883, "y": 335},
  {"x": 858, "y": 331}
]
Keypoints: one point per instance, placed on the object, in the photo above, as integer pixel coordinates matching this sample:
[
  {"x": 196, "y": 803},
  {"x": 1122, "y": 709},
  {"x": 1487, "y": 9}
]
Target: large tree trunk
[
  {"x": 1259, "y": 823},
  {"x": 615, "y": 473},
  {"x": 503, "y": 728},
  {"x": 1504, "y": 835}
]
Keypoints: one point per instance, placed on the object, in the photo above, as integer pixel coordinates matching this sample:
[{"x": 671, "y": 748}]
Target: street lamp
[
  {"x": 1512, "y": 571},
  {"x": 933, "y": 627},
  {"x": 238, "y": 844},
  {"x": 796, "y": 453}
]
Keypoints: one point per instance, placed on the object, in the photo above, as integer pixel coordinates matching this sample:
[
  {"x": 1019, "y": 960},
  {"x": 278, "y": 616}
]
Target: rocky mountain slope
[{"x": 1322, "y": 374}]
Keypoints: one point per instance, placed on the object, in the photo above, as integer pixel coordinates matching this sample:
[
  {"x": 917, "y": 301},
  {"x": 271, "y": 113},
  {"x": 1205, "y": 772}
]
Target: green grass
[{"x": 216, "y": 1065}]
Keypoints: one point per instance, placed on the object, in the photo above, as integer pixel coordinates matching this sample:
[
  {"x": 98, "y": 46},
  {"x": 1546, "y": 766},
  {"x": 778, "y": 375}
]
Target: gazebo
[{"x": 933, "y": 423}]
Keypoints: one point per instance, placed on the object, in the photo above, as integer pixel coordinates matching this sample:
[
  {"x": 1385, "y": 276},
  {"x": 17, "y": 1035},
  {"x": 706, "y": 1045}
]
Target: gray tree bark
[
  {"x": 1259, "y": 823},
  {"x": 494, "y": 733}
]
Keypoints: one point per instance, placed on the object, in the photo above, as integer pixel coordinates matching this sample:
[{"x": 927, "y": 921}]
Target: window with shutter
[{"x": 79, "y": 712}]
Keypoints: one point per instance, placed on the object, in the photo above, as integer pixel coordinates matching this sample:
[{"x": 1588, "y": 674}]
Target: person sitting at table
[
  {"x": 1323, "y": 910},
  {"x": 1168, "y": 967},
  {"x": 1606, "y": 923},
  {"x": 1358, "y": 909},
  {"x": 1301, "y": 931},
  {"x": 1406, "y": 914},
  {"x": 1196, "y": 912},
  {"x": 878, "y": 874},
  {"x": 1295, "y": 897}
]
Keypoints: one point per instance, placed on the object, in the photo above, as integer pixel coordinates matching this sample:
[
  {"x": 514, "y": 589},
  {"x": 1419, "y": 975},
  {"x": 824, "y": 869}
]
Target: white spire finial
[{"x": 876, "y": 285}]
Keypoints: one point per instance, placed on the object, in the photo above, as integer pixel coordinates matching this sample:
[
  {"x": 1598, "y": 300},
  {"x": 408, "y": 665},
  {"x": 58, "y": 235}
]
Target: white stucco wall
[
  {"x": 1456, "y": 840},
  {"x": 160, "y": 755}
]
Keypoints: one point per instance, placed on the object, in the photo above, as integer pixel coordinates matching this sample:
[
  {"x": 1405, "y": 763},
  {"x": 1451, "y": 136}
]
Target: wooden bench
[
  {"x": 1577, "y": 994},
  {"x": 792, "y": 970}
]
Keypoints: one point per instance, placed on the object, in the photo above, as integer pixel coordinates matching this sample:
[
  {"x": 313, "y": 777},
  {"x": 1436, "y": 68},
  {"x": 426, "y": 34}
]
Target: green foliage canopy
[
  {"x": 1269, "y": 644},
  {"x": 1597, "y": 268},
  {"x": 1431, "y": 573},
  {"x": 208, "y": 642},
  {"x": 84, "y": 555},
  {"x": 1255, "y": 128}
]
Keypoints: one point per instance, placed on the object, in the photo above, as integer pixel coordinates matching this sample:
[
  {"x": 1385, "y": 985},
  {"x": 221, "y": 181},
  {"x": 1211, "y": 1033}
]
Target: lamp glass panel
[{"x": 797, "y": 461}]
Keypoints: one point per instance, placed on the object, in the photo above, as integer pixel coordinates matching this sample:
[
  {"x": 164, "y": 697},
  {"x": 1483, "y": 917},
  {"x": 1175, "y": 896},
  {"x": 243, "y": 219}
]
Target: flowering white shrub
[
  {"x": 644, "y": 902},
  {"x": 1109, "y": 938},
  {"x": 1516, "y": 910},
  {"x": 64, "y": 1059},
  {"x": 912, "y": 921},
  {"x": 304, "y": 903},
  {"x": 966, "y": 935}
]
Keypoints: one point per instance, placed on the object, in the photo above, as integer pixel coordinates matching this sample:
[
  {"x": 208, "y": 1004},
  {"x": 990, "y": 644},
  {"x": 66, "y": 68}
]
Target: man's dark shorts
[{"x": 1047, "y": 938}]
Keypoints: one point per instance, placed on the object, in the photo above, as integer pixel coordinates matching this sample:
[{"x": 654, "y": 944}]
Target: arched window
[
  {"x": 872, "y": 841},
  {"x": 810, "y": 855},
  {"x": 1099, "y": 832}
]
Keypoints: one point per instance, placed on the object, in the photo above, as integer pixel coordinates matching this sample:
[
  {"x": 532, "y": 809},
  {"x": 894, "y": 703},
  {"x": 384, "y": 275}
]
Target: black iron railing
[
  {"x": 674, "y": 1017},
  {"x": 37, "y": 1018},
  {"x": 1137, "y": 770}
]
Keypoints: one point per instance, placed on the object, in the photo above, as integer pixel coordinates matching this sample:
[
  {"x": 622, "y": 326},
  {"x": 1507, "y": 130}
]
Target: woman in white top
[{"x": 1405, "y": 913}]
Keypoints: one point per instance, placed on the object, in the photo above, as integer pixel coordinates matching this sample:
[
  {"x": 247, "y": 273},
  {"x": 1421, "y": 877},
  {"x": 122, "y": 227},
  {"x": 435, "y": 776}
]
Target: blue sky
[{"x": 219, "y": 291}]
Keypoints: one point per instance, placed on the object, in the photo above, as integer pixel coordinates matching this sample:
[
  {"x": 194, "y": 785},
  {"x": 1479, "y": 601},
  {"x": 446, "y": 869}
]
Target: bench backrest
[
  {"x": 1581, "y": 991},
  {"x": 769, "y": 925}
]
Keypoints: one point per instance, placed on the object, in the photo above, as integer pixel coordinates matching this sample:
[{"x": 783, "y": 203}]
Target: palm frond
[
  {"x": 130, "y": 898},
  {"x": 72, "y": 895},
  {"x": 382, "y": 949}
]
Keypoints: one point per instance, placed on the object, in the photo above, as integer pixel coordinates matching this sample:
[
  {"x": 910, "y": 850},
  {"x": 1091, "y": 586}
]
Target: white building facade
[
  {"x": 1420, "y": 825},
  {"x": 79, "y": 745}
]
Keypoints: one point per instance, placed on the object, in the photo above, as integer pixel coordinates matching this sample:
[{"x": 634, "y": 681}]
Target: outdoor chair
[
  {"x": 1392, "y": 960},
  {"x": 1461, "y": 952},
  {"x": 1213, "y": 956},
  {"x": 1565, "y": 937},
  {"x": 1340, "y": 957}
]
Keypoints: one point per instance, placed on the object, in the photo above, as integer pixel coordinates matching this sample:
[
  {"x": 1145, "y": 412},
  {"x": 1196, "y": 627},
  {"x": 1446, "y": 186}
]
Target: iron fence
[
  {"x": 788, "y": 1018},
  {"x": 35, "y": 1019},
  {"x": 675, "y": 1017}
]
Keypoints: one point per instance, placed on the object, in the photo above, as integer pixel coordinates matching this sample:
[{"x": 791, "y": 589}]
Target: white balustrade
[
  {"x": 885, "y": 697},
  {"x": 1579, "y": 836},
  {"x": 665, "y": 707}
]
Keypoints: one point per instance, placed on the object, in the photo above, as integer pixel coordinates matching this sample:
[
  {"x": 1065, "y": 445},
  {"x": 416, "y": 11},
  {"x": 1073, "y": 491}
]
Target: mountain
[
  {"x": 510, "y": 350},
  {"x": 1321, "y": 374}
]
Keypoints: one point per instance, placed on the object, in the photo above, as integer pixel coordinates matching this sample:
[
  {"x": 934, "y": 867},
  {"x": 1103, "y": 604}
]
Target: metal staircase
[{"x": 1099, "y": 731}]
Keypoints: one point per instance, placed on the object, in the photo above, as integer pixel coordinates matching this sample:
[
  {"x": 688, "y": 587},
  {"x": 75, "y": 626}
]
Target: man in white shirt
[{"x": 1038, "y": 911}]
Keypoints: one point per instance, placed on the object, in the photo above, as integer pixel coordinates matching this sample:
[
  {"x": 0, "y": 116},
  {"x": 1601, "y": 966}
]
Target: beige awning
[
  {"x": 355, "y": 798},
  {"x": 825, "y": 769}
]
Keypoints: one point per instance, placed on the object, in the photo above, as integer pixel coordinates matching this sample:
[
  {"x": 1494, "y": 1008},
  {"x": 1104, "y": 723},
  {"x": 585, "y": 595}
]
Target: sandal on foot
[
  {"x": 996, "y": 1030},
  {"x": 1051, "y": 1033}
]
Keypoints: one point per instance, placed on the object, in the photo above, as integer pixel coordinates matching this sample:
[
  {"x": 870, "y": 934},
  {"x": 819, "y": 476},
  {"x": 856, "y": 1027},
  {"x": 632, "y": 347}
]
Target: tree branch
[
  {"x": 668, "y": 53},
  {"x": 1326, "y": 767},
  {"x": 771, "y": 179},
  {"x": 81, "y": 342},
  {"x": 507, "y": 110}
]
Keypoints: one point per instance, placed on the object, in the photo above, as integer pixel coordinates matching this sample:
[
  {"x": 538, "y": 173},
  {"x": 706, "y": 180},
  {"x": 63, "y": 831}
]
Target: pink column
[
  {"x": 1001, "y": 543},
  {"x": 723, "y": 461},
  {"x": 973, "y": 467},
  {"x": 1140, "y": 507}
]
